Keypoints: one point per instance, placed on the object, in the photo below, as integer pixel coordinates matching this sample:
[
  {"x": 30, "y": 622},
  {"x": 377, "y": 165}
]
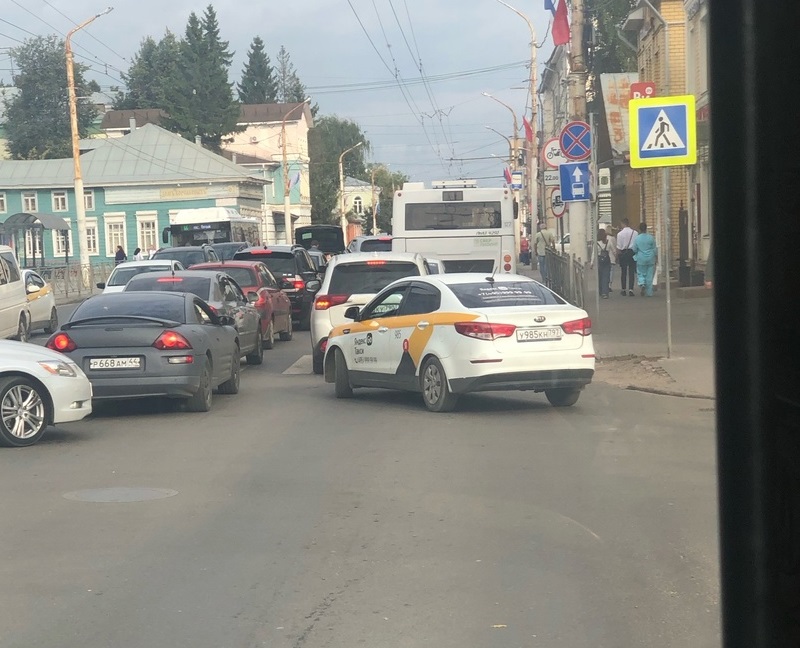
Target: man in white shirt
[{"x": 627, "y": 266}]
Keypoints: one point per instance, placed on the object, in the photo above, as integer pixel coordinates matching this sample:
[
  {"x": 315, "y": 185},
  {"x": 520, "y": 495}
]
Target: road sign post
[
  {"x": 574, "y": 181},
  {"x": 576, "y": 145}
]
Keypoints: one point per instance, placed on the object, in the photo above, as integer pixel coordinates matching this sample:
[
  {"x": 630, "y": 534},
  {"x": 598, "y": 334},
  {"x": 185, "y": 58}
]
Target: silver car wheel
[
  {"x": 23, "y": 411},
  {"x": 432, "y": 383}
]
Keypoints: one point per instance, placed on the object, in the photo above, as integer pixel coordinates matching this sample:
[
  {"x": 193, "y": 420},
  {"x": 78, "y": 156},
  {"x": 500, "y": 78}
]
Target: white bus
[
  {"x": 210, "y": 225},
  {"x": 467, "y": 228}
]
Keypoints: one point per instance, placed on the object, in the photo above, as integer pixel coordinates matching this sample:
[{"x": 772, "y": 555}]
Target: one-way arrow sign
[{"x": 574, "y": 178}]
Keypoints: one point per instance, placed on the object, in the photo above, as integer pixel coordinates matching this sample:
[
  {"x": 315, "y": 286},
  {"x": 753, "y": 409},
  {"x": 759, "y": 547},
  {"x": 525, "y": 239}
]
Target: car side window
[
  {"x": 240, "y": 296},
  {"x": 267, "y": 278},
  {"x": 200, "y": 313},
  {"x": 3, "y": 272},
  {"x": 12, "y": 271},
  {"x": 34, "y": 279},
  {"x": 421, "y": 299},
  {"x": 212, "y": 256},
  {"x": 303, "y": 262},
  {"x": 228, "y": 292},
  {"x": 388, "y": 305}
]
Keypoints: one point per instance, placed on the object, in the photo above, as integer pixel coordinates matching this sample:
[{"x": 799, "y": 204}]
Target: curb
[{"x": 667, "y": 392}]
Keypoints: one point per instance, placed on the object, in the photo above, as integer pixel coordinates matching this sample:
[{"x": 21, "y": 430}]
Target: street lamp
[
  {"x": 342, "y": 217},
  {"x": 80, "y": 206},
  {"x": 287, "y": 206},
  {"x": 510, "y": 145}
]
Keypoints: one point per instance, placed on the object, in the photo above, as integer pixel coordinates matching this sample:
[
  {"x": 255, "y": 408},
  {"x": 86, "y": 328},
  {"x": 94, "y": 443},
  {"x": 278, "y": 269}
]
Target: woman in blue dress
[{"x": 645, "y": 253}]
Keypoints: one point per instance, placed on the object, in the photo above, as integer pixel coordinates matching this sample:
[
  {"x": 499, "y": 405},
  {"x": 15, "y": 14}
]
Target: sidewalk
[{"x": 633, "y": 330}]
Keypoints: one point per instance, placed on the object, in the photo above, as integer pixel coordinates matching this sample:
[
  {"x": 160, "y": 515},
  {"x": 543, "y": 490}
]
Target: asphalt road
[{"x": 298, "y": 520}]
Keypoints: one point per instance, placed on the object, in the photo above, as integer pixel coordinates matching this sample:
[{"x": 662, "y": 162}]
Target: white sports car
[
  {"x": 450, "y": 334},
  {"x": 38, "y": 387}
]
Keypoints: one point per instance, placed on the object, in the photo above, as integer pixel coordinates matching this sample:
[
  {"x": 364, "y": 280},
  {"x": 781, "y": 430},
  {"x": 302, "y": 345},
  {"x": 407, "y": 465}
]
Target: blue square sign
[{"x": 574, "y": 178}]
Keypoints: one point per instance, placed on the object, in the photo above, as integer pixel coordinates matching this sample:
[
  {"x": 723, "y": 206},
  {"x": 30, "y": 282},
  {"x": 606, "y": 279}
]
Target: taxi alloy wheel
[
  {"x": 23, "y": 329},
  {"x": 342, "y": 385},
  {"x": 435, "y": 391},
  {"x": 23, "y": 412}
]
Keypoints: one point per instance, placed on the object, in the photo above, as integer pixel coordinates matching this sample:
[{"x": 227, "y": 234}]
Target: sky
[{"x": 359, "y": 59}]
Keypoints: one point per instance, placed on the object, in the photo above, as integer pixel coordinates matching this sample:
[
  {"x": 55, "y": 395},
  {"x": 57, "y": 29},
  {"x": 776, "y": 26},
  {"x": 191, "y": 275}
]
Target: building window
[
  {"x": 91, "y": 236},
  {"x": 147, "y": 226},
  {"x": 62, "y": 242},
  {"x": 3, "y": 208},
  {"x": 59, "y": 201},
  {"x": 33, "y": 242},
  {"x": 115, "y": 234},
  {"x": 358, "y": 205},
  {"x": 30, "y": 204},
  {"x": 88, "y": 199}
]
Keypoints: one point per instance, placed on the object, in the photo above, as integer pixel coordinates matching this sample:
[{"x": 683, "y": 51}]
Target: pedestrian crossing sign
[{"x": 663, "y": 131}]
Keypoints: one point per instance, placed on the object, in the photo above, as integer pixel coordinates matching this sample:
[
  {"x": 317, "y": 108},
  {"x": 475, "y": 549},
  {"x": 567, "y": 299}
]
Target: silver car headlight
[{"x": 59, "y": 368}]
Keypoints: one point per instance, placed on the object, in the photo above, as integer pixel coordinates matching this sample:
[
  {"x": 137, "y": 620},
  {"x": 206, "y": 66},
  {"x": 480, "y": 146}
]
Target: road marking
[{"x": 302, "y": 366}]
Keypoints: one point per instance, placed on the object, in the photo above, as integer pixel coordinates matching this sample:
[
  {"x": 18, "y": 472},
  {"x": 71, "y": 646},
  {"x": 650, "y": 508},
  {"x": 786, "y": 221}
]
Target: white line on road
[{"x": 302, "y": 366}]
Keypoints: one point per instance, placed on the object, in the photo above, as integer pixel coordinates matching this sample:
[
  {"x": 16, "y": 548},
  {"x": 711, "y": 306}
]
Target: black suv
[
  {"x": 188, "y": 255},
  {"x": 225, "y": 251},
  {"x": 296, "y": 271}
]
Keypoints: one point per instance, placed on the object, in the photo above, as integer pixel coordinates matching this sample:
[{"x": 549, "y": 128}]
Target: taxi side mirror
[
  {"x": 352, "y": 313},
  {"x": 32, "y": 288}
]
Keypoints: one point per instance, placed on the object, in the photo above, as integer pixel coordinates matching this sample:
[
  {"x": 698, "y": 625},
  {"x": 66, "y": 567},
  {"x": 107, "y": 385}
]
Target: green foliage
[
  {"x": 201, "y": 102},
  {"x": 258, "y": 83},
  {"x": 329, "y": 137},
  {"x": 37, "y": 118},
  {"x": 151, "y": 75},
  {"x": 607, "y": 52},
  {"x": 388, "y": 182}
]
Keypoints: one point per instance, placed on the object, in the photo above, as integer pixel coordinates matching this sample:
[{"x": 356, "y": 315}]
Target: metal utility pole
[
  {"x": 80, "y": 205},
  {"x": 578, "y": 211},
  {"x": 374, "y": 215},
  {"x": 287, "y": 202},
  {"x": 342, "y": 215}
]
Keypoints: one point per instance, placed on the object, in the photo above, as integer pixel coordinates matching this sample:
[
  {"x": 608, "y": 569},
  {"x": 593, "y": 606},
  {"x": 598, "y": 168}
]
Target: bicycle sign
[{"x": 551, "y": 153}]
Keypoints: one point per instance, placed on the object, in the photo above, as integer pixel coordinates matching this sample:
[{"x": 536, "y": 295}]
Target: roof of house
[
  {"x": 148, "y": 155},
  {"x": 116, "y": 119},
  {"x": 352, "y": 183}
]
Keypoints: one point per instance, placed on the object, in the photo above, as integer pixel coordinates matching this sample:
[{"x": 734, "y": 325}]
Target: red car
[{"x": 273, "y": 304}]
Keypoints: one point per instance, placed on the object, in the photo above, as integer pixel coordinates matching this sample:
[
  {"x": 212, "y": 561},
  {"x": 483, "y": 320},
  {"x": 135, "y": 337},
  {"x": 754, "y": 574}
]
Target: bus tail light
[
  {"x": 324, "y": 302},
  {"x": 506, "y": 261},
  {"x": 485, "y": 330},
  {"x": 581, "y": 326}
]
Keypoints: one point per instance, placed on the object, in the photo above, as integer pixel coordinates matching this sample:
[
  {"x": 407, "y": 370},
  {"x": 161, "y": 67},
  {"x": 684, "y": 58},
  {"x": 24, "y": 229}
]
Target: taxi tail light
[
  {"x": 581, "y": 326},
  {"x": 170, "y": 341},
  {"x": 61, "y": 342},
  {"x": 485, "y": 330},
  {"x": 324, "y": 302}
]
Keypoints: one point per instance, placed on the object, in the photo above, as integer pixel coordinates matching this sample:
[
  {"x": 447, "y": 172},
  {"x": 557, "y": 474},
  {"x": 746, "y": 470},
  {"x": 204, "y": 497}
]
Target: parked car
[
  {"x": 124, "y": 272},
  {"x": 15, "y": 319},
  {"x": 222, "y": 294},
  {"x": 41, "y": 302},
  {"x": 188, "y": 255},
  {"x": 296, "y": 273},
  {"x": 453, "y": 334},
  {"x": 225, "y": 251},
  {"x": 352, "y": 280},
  {"x": 379, "y": 243},
  {"x": 152, "y": 344},
  {"x": 38, "y": 387},
  {"x": 272, "y": 304}
]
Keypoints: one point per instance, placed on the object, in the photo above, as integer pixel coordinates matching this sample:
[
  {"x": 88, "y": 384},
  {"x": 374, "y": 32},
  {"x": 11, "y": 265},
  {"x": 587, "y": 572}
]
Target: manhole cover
[{"x": 120, "y": 494}]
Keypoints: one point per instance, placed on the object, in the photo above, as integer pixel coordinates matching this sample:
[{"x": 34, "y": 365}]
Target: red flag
[
  {"x": 507, "y": 175},
  {"x": 528, "y": 129},
  {"x": 561, "y": 24}
]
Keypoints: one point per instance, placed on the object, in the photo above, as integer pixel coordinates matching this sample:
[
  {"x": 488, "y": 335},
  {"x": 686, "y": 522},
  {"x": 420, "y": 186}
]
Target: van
[{"x": 15, "y": 318}]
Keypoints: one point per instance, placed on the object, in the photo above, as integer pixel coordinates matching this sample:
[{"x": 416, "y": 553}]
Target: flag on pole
[
  {"x": 507, "y": 175},
  {"x": 295, "y": 180},
  {"x": 560, "y": 24},
  {"x": 549, "y": 6},
  {"x": 528, "y": 129}
]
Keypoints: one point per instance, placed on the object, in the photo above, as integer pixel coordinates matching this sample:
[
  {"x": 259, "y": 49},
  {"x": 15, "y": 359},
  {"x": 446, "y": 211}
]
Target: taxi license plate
[
  {"x": 115, "y": 363},
  {"x": 539, "y": 334}
]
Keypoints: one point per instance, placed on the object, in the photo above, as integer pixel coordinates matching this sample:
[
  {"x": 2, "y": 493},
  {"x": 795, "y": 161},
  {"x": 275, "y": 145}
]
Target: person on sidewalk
[
  {"x": 627, "y": 266},
  {"x": 137, "y": 254},
  {"x": 645, "y": 254},
  {"x": 544, "y": 239},
  {"x": 120, "y": 255},
  {"x": 605, "y": 256},
  {"x": 612, "y": 241}
]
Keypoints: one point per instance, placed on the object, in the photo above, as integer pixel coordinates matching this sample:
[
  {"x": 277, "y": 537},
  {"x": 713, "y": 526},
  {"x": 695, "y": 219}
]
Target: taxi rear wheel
[
  {"x": 342, "y": 386},
  {"x": 435, "y": 392},
  {"x": 562, "y": 397}
]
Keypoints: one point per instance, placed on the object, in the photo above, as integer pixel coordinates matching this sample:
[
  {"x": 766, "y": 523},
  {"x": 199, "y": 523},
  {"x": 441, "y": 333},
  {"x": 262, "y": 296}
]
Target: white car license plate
[
  {"x": 115, "y": 363},
  {"x": 539, "y": 333}
]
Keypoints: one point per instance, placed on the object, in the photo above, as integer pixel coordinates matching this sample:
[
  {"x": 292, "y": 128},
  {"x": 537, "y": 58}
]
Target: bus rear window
[
  {"x": 453, "y": 216},
  {"x": 507, "y": 293}
]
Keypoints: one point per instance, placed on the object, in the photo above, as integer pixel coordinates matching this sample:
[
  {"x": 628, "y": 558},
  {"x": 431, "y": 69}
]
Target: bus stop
[{"x": 17, "y": 227}]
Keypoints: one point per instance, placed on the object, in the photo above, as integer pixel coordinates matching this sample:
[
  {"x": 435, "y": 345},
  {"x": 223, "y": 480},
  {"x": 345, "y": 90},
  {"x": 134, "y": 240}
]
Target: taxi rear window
[
  {"x": 369, "y": 277},
  {"x": 517, "y": 293}
]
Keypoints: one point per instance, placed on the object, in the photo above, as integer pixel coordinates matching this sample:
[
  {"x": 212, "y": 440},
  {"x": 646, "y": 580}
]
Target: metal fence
[
  {"x": 566, "y": 277},
  {"x": 73, "y": 279}
]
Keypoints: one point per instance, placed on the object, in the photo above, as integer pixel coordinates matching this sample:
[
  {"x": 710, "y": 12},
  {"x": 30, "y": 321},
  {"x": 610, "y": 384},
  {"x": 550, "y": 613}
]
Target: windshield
[
  {"x": 186, "y": 257},
  {"x": 122, "y": 276},
  {"x": 519, "y": 293},
  {"x": 200, "y": 286},
  {"x": 225, "y": 251},
  {"x": 376, "y": 245},
  {"x": 453, "y": 216},
  {"x": 369, "y": 277},
  {"x": 169, "y": 308}
]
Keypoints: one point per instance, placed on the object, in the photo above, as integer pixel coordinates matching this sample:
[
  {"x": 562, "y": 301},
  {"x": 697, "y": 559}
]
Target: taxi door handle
[
  {"x": 383, "y": 329},
  {"x": 423, "y": 325}
]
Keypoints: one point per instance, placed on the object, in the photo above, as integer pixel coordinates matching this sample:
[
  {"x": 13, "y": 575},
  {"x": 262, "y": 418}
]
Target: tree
[
  {"x": 329, "y": 137},
  {"x": 388, "y": 182},
  {"x": 201, "y": 102},
  {"x": 258, "y": 83},
  {"x": 608, "y": 53},
  {"x": 152, "y": 74},
  {"x": 37, "y": 118}
]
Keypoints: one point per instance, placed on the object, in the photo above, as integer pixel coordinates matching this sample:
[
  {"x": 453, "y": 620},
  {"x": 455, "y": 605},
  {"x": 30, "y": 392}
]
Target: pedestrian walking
[
  {"x": 120, "y": 256},
  {"x": 612, "y": 241},
  {"x": 524, "y": 251},
  {"x": 627, "y": 266},
  {"x": 137, "y": 254},
  {"x": 544, "y": 239},
  {"x": 605, "y": 256},
  {"x": 645, "y": 253}
]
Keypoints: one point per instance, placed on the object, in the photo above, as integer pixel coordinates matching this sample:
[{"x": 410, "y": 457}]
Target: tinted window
[
  {"x": 186, "y": 257},
  {"x": 456, "y": 215},
  {"x": 330, "y": 238},
  {"x": 242, "y": 276},
  {"x": 280, "y": 263},
  {"x": 267, "y": 278},
  {"x": 166, "y": 307},
  {"x": 199, "y": 286},
  {"x": 421, "y": 299},
  {"x": 34, "y": 279},
  {"x": 225, "y": 251},
  {"x": 519, "y": 293},
  {"x": 12, "y": 269},
  {"x": 368, "y": 277},
  {"x": 304, "y": 262},
  {"x": 376, "y": 245},
  {"x": 121, "y": 276}
]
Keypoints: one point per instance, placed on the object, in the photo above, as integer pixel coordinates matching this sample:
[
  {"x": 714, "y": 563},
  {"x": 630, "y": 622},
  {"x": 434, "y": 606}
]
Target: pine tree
[
  {"x": 286, "y": 77},
  {"x": 37, "y": 118},
  {"x": 151, "y": 75},
  {"x": 258, "y": 78}
]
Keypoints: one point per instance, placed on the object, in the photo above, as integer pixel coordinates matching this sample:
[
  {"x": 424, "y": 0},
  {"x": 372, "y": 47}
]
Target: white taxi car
[
  {"x": 450, "y": 334},
  {"x": 126, "y": 271},
  {"x": 41, "y": 302}
]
